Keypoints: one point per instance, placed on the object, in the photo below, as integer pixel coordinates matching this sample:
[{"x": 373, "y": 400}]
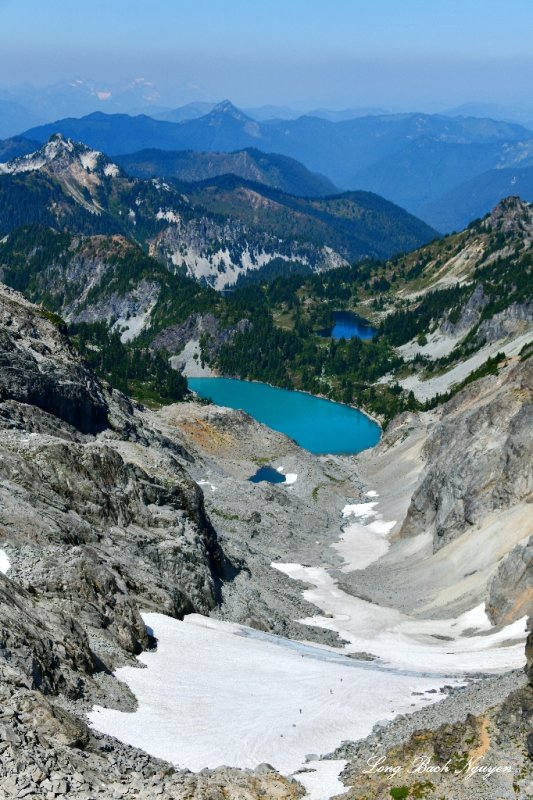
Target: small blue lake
[
  {"x": 268, "y": 475},
  {"x": 320, "y": 426},
  {"x": 347, "y": 325}
]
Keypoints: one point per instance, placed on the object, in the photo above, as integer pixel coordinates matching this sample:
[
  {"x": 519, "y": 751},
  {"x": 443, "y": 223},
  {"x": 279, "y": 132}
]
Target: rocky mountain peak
[
  {"x": 61, "y": 154},
  {"x": 227, "y": 110},
  {"x": 511, "y": 215}
]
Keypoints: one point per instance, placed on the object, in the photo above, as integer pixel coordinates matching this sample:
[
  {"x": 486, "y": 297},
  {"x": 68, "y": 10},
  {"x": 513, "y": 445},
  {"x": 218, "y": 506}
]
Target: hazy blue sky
[{"x": 393, "y": 53}]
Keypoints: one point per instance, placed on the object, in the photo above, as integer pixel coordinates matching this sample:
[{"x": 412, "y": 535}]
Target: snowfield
[
  {"x": 363, "y": 541},
  {"x": 441, "y": 647},
  {"x": 216, "y": 693}
]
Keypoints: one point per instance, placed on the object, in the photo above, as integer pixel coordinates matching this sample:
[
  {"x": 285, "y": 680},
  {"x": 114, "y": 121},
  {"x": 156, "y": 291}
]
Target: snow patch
[
  {"x": 290, "y": 477},
  {"x": 5, "y": 563},
  {"x": 323, "y": 781},
  {"x": 27, "y": 163},
  {"x": 207, "y": 483},
  {"x": 363, "y": 542},
  {"x": 440, "y": 646},
  {"x": 160, "y": 184},
  {"x": 111, "y": 170},
  {"x": 362, "y": 510},
  {"x": 169, "y": 216},
  {"x": 89, "y": 159}
]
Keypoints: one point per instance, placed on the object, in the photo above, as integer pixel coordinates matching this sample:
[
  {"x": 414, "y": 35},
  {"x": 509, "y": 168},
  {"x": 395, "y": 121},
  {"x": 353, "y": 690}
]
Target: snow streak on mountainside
[{"x": 214, "y": 233}]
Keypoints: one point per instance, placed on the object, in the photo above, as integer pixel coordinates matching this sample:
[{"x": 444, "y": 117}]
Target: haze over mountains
[
  {"x": 446, "y": 169},
  {"x": 425, "y": 163},
  {"x": 279, "y": 172}
]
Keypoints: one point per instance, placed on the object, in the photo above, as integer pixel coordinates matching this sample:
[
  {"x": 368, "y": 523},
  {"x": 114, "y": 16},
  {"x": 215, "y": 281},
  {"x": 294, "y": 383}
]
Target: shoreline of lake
[
  {"x": 370, "y": 416},
  {"x": 359, "y": 412},
  {"x": 348, "y": 325}
]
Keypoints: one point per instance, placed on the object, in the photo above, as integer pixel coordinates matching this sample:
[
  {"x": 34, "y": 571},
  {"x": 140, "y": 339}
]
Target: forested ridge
[{"x": 282, "y": 343}]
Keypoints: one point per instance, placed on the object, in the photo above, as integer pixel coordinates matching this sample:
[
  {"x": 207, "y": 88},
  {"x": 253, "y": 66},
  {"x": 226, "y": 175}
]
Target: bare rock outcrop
[
  {"x": 470, "y": 314},
  {"x": 511, "y": 589},
  {"x": 174, "y": 338},
  {"x": 47, "y": 648},
  {"x": 514, "y": 319},
  {"x": 38, "y": 366},
  {"x": 479, "y": 457},
  {"x": 98, "y": 519}
]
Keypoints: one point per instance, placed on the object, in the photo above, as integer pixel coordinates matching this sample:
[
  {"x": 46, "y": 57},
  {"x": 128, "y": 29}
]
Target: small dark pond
[
  {"x": 347, "y": 325},
  {"x": 268, "y": 474}
]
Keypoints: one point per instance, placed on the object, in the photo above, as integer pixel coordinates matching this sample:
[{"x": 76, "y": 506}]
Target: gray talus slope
[
  {"x": 459, "y": 480},
  {"x": 479, "y": 458},
  {"x": 102, "y": 522},
  {"x": 92, "y": 539}
]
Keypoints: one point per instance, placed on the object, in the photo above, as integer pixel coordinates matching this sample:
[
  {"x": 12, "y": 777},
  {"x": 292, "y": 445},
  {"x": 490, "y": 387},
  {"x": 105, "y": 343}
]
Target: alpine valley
[{"x": 193, "y": 605}]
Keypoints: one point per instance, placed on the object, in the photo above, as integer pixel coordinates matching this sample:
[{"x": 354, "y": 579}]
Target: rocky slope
[
  {"x": 107, "y": 509},
  {"x": 91, "y": 538},
  {"x": 479, "y": 459},
  {"x": 458, "y": 302},
  {"x": 100, "y": 518},
  {"x": 465, "y": 504}
]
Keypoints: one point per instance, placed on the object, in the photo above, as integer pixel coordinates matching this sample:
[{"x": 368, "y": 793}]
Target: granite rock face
[
  {"x": 511, "y": 589},
  {"x": 479, "y": 457},
  {"x": 38, "y": 367}
]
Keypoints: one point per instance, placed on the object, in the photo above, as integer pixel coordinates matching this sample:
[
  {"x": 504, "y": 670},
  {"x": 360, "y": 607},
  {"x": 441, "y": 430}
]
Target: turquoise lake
[
  {"x": 316, "y": 424},
  {"x": 347, "y": 325}
]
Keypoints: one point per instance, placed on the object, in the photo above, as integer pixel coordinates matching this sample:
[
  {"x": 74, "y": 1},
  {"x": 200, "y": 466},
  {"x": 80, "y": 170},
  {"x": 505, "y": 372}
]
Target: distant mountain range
[
  {"x": 340, "y": 150},
  {"x": 16, "y": 146},
  {"x": 76, "y": 97},
  {"x": 414, "y": 160},
  {"x": 523, "y": 116},
  {"x": 271, "y": 112},
  {"x": 278, "y": 172},
  {"x": 471, "y": 199},
  {"x": 217, "y": 231}
]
